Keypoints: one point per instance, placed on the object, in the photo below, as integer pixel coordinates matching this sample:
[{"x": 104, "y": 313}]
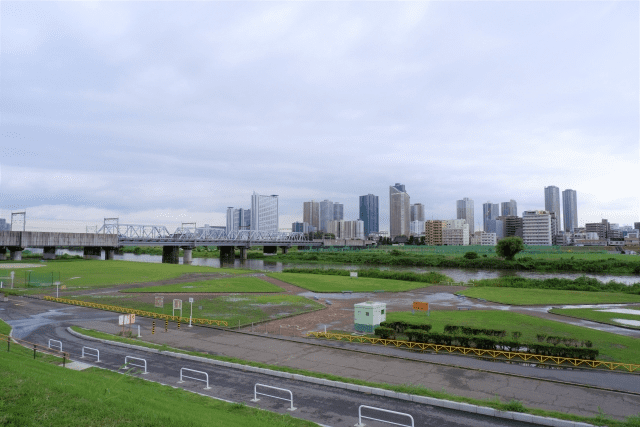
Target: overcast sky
[{"x": 169, "y": 112}]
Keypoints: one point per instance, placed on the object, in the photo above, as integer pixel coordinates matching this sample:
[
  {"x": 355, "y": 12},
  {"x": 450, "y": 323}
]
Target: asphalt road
[{"x": 39, "y": 321}]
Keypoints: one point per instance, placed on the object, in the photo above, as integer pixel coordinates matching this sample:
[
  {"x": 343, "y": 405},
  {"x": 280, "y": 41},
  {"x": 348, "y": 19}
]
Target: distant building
[
  {"x": 490, "y": 212},
  {"x": 326, "y": 214},
  {"x": 347, "y": 229},
  {"x": 300, "y": 227},
  {"x": 264, "y": 212},
  {"x": 417, "y": 212},
  {"x": 636, "y": 225},
  {"x": 238, "y": 219},
  {"x": 433, "y": 232},
  {"x": 455, "y": 233},
  {"x": 601, "y": 228},
  {"x": 4, "y": 225},
  {"x": 311, "y": 213},
  {"x": 512, "y": 226},
  {"x": 570, "y": 210},
  {"x": 536, "y": 228},
  {"x": 509, "y": 208},
  {"x": 338, "y": 211},
  {"x": 552, "y": 203},
  {"x": 464, "y": 210},
  {"x": 399, "y": 211},
  {"x": 497, "y": 227},
  {"x": 483, "y": 238},
  {"x": 369, "y": 214},
  {"x": 416, "y": 228}
]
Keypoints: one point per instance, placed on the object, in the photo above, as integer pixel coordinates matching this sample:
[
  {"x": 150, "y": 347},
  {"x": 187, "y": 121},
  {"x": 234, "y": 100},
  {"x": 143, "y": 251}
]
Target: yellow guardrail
[
  {"x": 137, "y": 312},
  {"x": 478, "y": 352}
]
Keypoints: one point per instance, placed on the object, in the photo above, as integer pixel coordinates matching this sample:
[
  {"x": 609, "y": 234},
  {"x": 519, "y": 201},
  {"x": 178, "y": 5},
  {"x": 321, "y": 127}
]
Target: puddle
[
  {"x": 621, "y": 311},
  {"x": 627, "y": 322}
]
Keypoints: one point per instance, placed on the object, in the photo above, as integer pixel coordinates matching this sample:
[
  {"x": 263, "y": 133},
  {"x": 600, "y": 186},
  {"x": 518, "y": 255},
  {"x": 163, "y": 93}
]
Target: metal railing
[
  {"x": 37, "y": 348},
  {"x": 360, "y": 416},
  {"x": 255, "y": 395},
  {"x": 142, "y": 313},
  {"x": 196, "y": 379},
  {"x": 127, "y": 363},
  {"x": 55, "y": 341},
  {"x": 97, "y": 355},
  {"x": 509, "y": 355}
]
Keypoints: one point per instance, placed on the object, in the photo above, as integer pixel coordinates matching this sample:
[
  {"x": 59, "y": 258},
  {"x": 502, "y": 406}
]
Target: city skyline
[{"x": 105, "y": 115}]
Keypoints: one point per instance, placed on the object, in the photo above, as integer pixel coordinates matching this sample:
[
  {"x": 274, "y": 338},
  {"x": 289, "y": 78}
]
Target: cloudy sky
[{"x": 168, "y": 112}]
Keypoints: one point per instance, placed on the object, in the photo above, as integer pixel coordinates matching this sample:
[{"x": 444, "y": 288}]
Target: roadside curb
[{"x": 459, "y": 406}]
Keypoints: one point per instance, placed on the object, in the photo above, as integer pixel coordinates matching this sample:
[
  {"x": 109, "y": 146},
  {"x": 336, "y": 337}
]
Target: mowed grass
[
  {"x": 612, "y": 347},
  {"x": 527, "y": 296},
  {"x": 319, "y": 283},
  {"x": 94, "y": 273},
  {"x": 39, "y": 394},
  {"x": 236, "y": 309},
  {"x": 225, "y": 284},
  {"x": 599, "y": 316}
]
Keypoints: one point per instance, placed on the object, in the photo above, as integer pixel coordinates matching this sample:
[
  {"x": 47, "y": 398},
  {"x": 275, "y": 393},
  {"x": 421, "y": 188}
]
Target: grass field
[
  {"x": 38, "y": 394},
  {"x": 612, "y": 347},
  {"x": 526, "y": 296},
  {"x": 320, "y": 283},
  {"x": 598, "y": 316},
  {"x": 77, "y": 274},
  {"x": 231, "y": 284},
  {"x": 235, "y": 309}
]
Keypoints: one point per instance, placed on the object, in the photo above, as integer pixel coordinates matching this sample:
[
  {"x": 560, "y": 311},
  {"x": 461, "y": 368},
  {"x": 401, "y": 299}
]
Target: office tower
[
  {"x": 509, "y": 208},
  {"x": 326, "y": 214},
  {"x": 300, "y": 227},
  {"x": 347, "y": 229},
  {"x": 536, "y": 228},
  {"x": 311, "y": 213},
  {"x": 4, "y": 226},
  {"x": 433, "y": 232},
  {"x": 570, "y": 210},
  {"x": 636, "y": 225},
  {"x": 264, "y": 212},
  {"x": 496, "y": 226},
  {"x": 369, "y": 213},
  {"x": 464, "y": 210},
  {"x": 417, "y": 212},
  {"x": 552, "y": 203},
  {"x": 511, "y": 226},
  {"x": 238, "y": 219},
  {"x": 399, "y": 211},
  {"x": 338, "y": 211},
  {"x": 490, "y": 211},
  {"x": 416, "y": 228}
]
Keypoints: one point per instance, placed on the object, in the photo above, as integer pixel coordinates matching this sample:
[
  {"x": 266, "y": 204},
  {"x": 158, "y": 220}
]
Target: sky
[{"x": 169, "y": 112}]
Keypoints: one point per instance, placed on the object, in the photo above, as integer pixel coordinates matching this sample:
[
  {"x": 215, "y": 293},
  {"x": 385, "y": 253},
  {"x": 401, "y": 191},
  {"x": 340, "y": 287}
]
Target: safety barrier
[
  {"x": 197, "y": 379},
  {"x": 255, "y": 395},
  {"x": 360, "y": 416},
  {"x": 55, "y": 341},
  {"x": 35, "y": 348},
  {"x": 527, "y": 357},
  {"x": 97, "y": 355},
  {"x": 142, "y": 313},
  {"x": 127, "y": 363}
]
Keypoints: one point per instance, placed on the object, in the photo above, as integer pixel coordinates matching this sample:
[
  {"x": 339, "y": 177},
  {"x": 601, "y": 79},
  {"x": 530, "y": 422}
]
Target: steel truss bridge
[{"x": 192, "y": 236}]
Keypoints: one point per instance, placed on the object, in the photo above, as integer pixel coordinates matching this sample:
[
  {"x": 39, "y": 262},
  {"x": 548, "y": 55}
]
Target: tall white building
[
  {"x": 464, "y": 210},
  {"x": 536, "y": 228},
  {"x": 455, "y": 232},
  {"x": 399, "y": 211},
  {"x": 238, "y": 219},
  {"x": 417, "y": 228},
  {"x": 347, "y": 229},
  {"x": 570, "y": 209},
  {"x": 417, "y": 212},
  {"x": 552, "y": 204},
  {"x": 264, "y": 212}
]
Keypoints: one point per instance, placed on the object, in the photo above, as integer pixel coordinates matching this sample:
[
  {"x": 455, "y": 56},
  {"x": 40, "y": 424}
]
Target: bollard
[
  {"x": 34, "y": 351},
  {"x": 153, "y": 327},
  {"x": 178, "y": 324},
  {"x": 166, "y": 326}
]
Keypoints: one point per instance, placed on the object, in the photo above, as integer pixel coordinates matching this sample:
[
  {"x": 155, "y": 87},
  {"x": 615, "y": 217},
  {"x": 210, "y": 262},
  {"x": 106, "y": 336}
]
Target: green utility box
[{"x": 368, "y": 315}]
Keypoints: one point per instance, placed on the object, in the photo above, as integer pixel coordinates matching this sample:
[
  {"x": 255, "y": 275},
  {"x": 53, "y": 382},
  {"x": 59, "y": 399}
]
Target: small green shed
[{"x": 368, "y": 315}]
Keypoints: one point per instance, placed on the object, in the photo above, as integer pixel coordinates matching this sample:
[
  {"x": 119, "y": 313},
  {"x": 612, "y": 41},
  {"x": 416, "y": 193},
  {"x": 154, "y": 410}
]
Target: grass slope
[
  {"x": 518, "y": 296},
  {"x": 233, "y": 284},
  {"x": 320, "y": 283},
  {"x": 616, "y": 348},
  {"x": 597, "y": 316}
]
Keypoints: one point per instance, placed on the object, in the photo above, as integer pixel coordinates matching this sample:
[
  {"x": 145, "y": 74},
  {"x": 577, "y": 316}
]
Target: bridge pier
[
  {"x": 109, "y": 253},
  {"x": 15, "y": 253},
  {"x": 171, "y": 255},
  {"x": 270, "y": 250},
  {"x": 243, "y": 252},
  {"x": 285, "y": 249},
  {"x": 227, "y": 252},
  {"x": 187, "y": 255},
  {"x": 3, "y": 253},
  {"x": 92, "y": 252},
  {"x": 49, "y": 252}
]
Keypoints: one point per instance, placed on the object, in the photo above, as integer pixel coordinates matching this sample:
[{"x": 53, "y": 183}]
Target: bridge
[{"x": 113, "y": 235}]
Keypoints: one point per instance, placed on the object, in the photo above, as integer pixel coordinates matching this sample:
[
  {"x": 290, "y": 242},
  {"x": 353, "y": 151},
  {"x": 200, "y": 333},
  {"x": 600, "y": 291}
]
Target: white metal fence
[{"x": 255, "y": 395}]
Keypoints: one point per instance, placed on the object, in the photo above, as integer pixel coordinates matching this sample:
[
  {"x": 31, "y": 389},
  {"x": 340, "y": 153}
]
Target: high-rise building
[
  {"x": 512, "y": 226},
  {"x": 300, "y": 227},
  {"x": 496, "y": 226},
  {"x": 552, "y": 203},
  {"x": 456, "y": 233},
  {"x": 570, "y": 210},
  {"x": 264, "y": 212},
  {"x": 464, "y": 210},
  {"x": 509, "y": 208},
  {"x": 603, "y": 228},
  {"x": 490, "y": 211},
  {"x": 311, "y": 213},
  {"x": 369, "y": 213},
  {"x": 347, "y": 229},
  {"x": 536, "y": 228},
  {"x": 399, "y": 211},
  {"x": 338, "y": 211},
  {"x": 636, "y": 225},
  {"x": 4, "y": 226},
  {"x": 238, "y": 219},
  {"x": 326, "y": 214},
  {"x": 416, "y": 228},
  {"x": 417, "y": 212},
  {"x": 433, "y": 232}
]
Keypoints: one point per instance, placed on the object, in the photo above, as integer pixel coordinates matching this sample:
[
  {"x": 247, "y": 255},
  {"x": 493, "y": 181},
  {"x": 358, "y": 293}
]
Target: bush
[
  {"x": 509, "y": 247},
  {"x": 385, "y": 333},
  {"x": 471, "y": 255}
]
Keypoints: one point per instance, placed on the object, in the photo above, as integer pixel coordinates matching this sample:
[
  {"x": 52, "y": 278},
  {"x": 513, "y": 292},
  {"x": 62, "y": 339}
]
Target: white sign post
[
  {"x": 177, "y": 305},
  {"x": 191, "y": 313},
  {"x": 13, "y": 274},
  {"x": 57, "y": 287}
]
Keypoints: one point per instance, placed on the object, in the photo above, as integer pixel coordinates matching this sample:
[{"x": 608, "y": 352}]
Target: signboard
[
  {"x": 132, "y": 318},
  {"x": 63, "y": 287},
  {"x": 191, "y": 300},
  {"x": 126, "y": 319},
  {"x": 421, "y": 306},
  {"x": 353, "y": 274},
  {"x": 159, "y": 302},
  {"x": 177, "y": 304}
]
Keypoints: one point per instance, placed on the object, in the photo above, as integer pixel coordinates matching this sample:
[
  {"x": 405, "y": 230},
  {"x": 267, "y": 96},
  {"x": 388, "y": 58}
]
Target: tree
[{"x": 509, "y": 247}]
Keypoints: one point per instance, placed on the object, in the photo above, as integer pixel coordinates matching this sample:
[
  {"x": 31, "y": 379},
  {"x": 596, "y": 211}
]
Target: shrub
[
  {"x": 385, "y": 333},
  {"x": 516, "y": 335},
  {"x": 471, "y": 255}
]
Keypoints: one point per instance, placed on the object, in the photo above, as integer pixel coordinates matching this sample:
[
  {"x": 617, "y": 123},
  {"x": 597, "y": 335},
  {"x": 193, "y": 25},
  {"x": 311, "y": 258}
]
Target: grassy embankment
[
  {"x": 612, "y": 347},
  {"x": 599, "y": 316},
  {"x": 512, "y": 405},
  {"x": 542, "y": 261},
  {"x": 225, "y": 284},
  {"x": 198, "y": 252}
]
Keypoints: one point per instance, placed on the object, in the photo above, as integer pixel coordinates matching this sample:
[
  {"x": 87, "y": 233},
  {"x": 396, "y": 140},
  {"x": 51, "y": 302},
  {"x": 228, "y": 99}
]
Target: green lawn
[
  {"x": 235, "y": 308},
  {"x": 612, "y": 347},
  {"x": 526, "y": 296},
  {"x": 231, "y": 284},
  {"x": 598, "y": 316},
  {"x": 38, "y": 394},
  {"x": 94, "y": 273},
  {"x": 319, "y": 283}
]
